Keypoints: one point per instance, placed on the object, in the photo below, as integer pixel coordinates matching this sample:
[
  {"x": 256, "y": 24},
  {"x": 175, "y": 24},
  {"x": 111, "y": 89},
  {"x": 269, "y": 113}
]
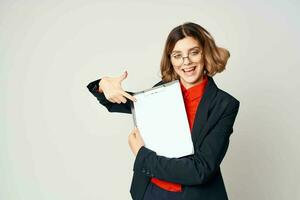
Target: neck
[{"x": 189, "y": 85}]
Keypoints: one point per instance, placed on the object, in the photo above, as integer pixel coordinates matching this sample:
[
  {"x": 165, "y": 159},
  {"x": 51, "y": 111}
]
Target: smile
[{"x": 191, "y": 69}]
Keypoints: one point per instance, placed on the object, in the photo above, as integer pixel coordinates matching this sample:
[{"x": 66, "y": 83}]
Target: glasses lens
[{"x": 193, "y": 56}]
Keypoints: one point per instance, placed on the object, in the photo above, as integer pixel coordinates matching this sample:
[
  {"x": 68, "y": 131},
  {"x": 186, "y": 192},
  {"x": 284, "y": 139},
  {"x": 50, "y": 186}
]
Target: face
[{"x": 189, "y": 69}]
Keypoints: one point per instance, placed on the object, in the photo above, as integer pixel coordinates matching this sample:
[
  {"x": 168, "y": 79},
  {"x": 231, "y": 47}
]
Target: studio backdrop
[{"x": 57, "y": 142}]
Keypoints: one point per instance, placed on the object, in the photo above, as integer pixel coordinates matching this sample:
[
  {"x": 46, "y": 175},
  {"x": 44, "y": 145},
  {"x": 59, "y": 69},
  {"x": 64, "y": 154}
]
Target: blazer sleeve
[
  {"x": 197, "y": 168},
  {"x": 93, "y": 87}
]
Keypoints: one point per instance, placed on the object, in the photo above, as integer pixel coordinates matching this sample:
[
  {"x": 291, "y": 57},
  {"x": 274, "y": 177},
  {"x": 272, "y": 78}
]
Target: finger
[
  {"x": 129, "y": 136},
  {"x": 111, "y": 100},
  {"x": 116, "y": 100},
  {"x": 136, "y": 129},
  {"x": 137, "y": 132},
  {"x": 132, "y": 138},
  {"x": 132, "y": 98},
  {"x": 119, "y": 100},
  {"x": 123, "y": 76},
  {"x": 122, "y": 99},
  {"x": 133, "y": 134}
]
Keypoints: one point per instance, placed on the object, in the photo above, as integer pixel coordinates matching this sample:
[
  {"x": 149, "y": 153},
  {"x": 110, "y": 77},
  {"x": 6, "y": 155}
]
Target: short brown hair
[{"x": 215, "y": 58}]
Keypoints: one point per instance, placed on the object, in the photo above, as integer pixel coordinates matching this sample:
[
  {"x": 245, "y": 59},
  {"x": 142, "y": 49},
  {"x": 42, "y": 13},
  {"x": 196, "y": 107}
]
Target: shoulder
[
  {"x": 224, "y": 104},
  {"x": 228, "y": 98},
  {"x": 221, "y": 101},
  {"x": 220, "y": 94}
]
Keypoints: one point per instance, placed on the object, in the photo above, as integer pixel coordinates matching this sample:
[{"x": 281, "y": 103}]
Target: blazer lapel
[{"x": 202, "y": 110}]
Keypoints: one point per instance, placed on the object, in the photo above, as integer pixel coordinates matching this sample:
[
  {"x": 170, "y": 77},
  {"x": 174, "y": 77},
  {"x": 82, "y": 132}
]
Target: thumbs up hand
[{"x": 112, "y": 89}]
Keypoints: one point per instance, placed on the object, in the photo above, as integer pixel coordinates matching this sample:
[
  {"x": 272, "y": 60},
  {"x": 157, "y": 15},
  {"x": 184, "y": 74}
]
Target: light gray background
[{"x": 56, "y": 142}]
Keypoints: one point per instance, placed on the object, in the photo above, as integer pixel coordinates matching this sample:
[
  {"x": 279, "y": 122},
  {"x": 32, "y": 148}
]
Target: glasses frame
[{"x": 188, "y": 56}]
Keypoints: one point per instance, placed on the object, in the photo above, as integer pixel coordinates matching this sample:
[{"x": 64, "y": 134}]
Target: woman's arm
[
  {"x": 195, "y": 169},
  {"x": 111, "y": 107}
]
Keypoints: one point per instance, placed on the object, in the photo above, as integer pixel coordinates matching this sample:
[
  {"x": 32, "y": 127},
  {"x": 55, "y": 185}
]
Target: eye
[
  {"x": 177, "y": 56},
  {"x": 195, "y": 52}
]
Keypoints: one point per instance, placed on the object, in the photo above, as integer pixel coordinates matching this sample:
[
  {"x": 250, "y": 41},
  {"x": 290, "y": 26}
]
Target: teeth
[{"x": 189, "y": 69}]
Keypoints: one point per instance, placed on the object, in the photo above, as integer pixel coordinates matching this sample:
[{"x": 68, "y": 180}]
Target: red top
[{"x": 191, "y": 97}]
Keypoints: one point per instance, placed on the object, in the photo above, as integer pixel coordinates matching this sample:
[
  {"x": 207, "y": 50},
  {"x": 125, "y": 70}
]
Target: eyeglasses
[{"x": 193, "y": 56}]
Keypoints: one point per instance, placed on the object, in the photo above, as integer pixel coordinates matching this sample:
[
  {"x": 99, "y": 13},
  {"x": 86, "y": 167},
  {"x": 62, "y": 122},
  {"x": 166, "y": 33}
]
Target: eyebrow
[{"x": 188, "y": 49}]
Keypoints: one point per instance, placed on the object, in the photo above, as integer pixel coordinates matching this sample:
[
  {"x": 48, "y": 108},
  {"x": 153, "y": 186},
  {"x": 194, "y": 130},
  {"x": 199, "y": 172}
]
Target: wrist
[
  {"x": 100, "y": 85},
  {"x": 137, "y": 150}
]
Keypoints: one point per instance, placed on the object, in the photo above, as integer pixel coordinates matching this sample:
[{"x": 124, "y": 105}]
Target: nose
[{"x": 186, "y": 62}]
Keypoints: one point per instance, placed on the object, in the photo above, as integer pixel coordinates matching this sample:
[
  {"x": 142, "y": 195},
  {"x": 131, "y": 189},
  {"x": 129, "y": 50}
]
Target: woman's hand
[
  {"x": 135, "y": 141},
  {"x": 112, "y": 89}
]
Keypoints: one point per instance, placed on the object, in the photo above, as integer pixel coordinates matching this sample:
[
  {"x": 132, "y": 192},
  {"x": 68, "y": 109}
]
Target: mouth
[{"x": 189, "y": 70}]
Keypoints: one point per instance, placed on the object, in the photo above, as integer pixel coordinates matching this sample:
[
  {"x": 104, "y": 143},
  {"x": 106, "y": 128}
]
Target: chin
[{"x": 191, "y": 81}]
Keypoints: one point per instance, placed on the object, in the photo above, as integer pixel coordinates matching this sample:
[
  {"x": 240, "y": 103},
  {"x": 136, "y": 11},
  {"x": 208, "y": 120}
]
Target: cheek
[{"x": 178, "y": 71}]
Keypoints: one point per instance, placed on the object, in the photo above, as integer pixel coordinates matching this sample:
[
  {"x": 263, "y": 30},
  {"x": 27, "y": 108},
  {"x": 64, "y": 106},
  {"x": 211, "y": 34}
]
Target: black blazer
[{"x": 199, "y": 174}]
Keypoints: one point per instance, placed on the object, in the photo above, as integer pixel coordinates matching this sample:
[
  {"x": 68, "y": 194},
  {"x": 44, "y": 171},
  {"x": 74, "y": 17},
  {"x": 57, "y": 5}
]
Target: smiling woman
[
  {"x": 191, "y": 69},
  {"x": 192, "y": 57},
  {"x": 203, "y": 56}
]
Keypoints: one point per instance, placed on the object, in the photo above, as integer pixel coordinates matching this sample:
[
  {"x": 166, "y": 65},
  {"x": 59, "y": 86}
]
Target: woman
[{"x": 192, "y": 57}]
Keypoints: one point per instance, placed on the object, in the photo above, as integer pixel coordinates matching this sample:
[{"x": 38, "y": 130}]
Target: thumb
[
  {"x": 137, "y": 133},
  {"x": 123, "y": 76}
]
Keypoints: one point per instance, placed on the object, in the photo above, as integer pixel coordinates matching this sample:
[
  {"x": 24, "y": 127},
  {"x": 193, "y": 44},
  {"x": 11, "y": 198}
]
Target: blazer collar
[{"x": 202, "y": 111}]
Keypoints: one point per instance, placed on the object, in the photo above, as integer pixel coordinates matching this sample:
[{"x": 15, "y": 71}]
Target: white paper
[{"x": 160, "y": 115}]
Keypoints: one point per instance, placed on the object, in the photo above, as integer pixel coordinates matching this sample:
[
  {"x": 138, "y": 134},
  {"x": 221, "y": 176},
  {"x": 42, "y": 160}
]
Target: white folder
[{"x": 161, "y": 118}]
